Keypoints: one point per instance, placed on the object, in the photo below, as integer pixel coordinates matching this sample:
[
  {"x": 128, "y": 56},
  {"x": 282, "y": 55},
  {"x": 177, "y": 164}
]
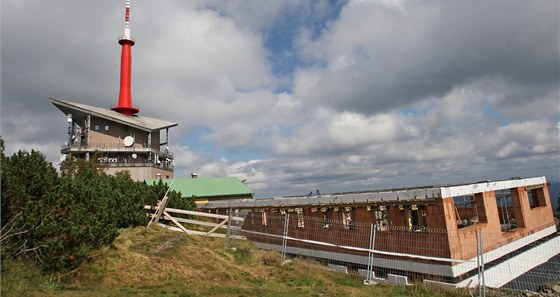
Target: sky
[{"x": 295, "y": 96}]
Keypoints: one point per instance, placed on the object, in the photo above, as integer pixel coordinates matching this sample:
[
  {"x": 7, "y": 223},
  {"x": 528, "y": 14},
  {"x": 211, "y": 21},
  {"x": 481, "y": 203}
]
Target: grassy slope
[{"x": 158, "y": 262}]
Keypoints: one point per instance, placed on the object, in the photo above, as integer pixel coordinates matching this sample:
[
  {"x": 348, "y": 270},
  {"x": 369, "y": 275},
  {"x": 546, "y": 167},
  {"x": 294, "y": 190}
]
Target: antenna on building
[
  {"x": 70, "y": 122},
  {"x": 126, "y": 41}
]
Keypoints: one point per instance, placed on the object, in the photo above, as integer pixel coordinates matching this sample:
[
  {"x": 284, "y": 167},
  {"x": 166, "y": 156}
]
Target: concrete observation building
[
  {"x": 117, "y": 137},
  {"x": 117, "y": 141}
]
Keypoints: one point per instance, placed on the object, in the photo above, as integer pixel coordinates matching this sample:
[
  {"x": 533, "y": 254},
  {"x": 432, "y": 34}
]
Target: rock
[{"x": 369, "y": 282}]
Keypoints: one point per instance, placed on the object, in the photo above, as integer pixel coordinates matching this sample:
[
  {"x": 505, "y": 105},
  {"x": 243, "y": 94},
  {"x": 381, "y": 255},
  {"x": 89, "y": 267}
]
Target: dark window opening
[
  {"x": 381, "y": 215},
  {"x": 263, "y": 218},
  {"x": 300, "y": 221},
  {"x": 347, "y": 222},
  {"x": 466, "y": 211},
  {"x": 536, "y": 197},
  {"x": 504, "y": 202},
  {"x": 326, "y": 218},
  {"x": 415, "y": 218}
]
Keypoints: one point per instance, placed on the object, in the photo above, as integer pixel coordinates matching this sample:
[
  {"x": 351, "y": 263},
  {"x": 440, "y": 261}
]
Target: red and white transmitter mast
[{"x": 125, "y": 97}]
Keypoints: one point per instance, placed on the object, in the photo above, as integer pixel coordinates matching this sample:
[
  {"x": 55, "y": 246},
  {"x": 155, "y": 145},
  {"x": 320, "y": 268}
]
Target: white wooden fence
[{"x": 183, "y": 225}]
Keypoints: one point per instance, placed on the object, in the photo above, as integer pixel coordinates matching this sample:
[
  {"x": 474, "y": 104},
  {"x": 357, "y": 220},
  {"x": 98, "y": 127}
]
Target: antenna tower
[{"x": 126, "y": 41}]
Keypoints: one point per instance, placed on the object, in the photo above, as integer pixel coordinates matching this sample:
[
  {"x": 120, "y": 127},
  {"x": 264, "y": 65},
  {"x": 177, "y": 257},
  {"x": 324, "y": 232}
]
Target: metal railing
[{"x": 114, "y": 147}]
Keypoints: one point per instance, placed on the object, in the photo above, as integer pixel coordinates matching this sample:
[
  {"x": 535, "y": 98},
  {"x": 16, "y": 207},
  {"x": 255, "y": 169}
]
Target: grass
[{"x": 159, "y": 262}]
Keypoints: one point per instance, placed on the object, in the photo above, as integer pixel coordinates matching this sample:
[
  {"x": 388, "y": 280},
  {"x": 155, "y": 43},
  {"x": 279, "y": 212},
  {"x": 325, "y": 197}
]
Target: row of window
[
  {"x": 414, "y": 217},
  {"x": 96, "y": 127},
  {"x": 467, "y": 211}
]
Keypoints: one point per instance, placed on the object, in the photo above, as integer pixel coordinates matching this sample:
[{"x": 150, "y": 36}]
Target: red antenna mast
[{"x": 125, "y": 97}]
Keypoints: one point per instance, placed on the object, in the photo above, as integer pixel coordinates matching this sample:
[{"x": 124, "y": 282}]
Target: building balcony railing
[
  {"x": 162, "y": 165},
  {"x": 113, "y": 147}
]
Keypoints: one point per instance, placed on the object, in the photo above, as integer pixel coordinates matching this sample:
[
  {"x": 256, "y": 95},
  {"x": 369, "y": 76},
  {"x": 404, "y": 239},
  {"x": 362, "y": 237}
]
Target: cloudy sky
[{"x": 299, "y": 95}]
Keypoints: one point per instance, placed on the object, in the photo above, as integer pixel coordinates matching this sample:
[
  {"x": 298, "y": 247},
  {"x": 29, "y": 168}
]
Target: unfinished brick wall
[
  {"x": 536, "y": 218},
  {"x": 462, "y": 242}
]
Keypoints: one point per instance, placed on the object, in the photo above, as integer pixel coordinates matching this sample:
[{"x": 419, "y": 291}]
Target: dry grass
[{"x": 159, "y": 262}]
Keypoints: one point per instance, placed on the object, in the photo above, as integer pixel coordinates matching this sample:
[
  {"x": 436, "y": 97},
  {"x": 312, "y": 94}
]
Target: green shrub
[{"x": 57, "y": 221}]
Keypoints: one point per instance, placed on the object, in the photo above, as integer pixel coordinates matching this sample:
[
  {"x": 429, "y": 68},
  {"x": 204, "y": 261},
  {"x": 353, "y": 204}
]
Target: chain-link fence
[{"x": 405, "y": 255}]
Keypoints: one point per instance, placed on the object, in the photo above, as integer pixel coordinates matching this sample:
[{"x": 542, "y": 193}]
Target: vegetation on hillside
[
  {"x": 159, "y": 262},
  {"x": 57, "y": 220}
]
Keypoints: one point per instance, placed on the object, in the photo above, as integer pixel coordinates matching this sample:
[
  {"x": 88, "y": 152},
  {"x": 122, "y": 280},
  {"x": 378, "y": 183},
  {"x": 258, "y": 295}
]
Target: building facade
[
  {"x": 419, "y": 228},
  {"x": 119, "y": 139},
  {"x": 119, "y": 142}
]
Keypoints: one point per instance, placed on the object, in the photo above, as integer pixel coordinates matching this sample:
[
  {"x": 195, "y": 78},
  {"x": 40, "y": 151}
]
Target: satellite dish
[
  {"x": 128, "y": 141},
  {"x": 134, "y": 156}
]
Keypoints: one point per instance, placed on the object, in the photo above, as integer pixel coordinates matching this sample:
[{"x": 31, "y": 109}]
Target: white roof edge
[
  {"x": 480, "y": 187},
  {"x": 141, "y": 122},
  {"x": 418, "y": 195}
]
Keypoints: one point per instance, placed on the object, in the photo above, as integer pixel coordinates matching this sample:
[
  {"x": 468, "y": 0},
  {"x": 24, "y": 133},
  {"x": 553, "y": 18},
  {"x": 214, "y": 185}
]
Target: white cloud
[
  {"x": 526, "y": 138},
  {"x": 385, "y": 93}
]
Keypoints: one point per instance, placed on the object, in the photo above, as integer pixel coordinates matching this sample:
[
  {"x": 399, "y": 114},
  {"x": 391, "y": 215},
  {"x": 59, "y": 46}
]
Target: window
[
  {"x": 263, "y": 217},
  {"x": 300, "y": 222},
  {"x": 347, "y": 219},
  {"x": 415, "y": 218},
  {"x": 532, "y": 202},
  {"x": 106, "y": 127},
  {"x": 326, "y": 215},
  {"x": 96, "y": 127},
  {"x": 504, "y": 202},
  {"x": 466, "y": 211},
  {"x": 381, "y": 218},
  {"x": 536, "y": 197}
]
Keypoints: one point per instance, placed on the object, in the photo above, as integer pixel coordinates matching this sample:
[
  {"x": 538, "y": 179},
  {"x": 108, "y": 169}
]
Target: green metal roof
[{"x": 207, "y": 186}]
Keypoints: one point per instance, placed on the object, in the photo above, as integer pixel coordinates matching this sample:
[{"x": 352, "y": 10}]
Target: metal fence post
[
  {"x": 372, "y": 232},
  {"x": 480, "y": 263},
  {"x": 284, "y": 237},
  {"x": 228, "y": 230}
]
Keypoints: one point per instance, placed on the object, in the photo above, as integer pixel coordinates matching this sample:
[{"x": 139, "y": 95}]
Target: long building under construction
[{"x": 516, "y": 211}]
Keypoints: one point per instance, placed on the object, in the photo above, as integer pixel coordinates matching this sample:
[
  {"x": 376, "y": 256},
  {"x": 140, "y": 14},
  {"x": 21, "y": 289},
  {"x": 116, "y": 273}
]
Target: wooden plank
[
  {"x": 193, "y": 232},
  {"x": 159, "y": 210},
  {"x": 175, "y": 221},
  {"x": 195, "y": 222},
  {"x": 161, "y": 206},
  {"x": 204, "y": 214},
  {"x": 216, "y": 228},
  {"x": 207, "y": 224},
  {"x": 198, "y": 213}
]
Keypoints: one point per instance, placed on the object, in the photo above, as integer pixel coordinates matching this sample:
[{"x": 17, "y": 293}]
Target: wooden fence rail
[{"x": 182, "y": 228}]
